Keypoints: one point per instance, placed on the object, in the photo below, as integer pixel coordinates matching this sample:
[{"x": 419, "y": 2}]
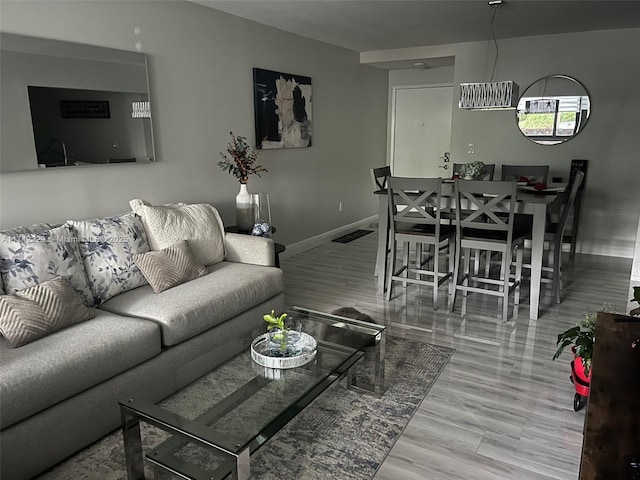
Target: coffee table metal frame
[
  {"x": 135, "y": 410},
  {"x": 376, "y": 338}
]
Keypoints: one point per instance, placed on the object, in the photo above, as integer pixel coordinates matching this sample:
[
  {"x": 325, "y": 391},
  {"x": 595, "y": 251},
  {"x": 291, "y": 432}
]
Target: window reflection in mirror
[
  {"x": 553, "y": 109},
  {"x": 66, "y": 104}
]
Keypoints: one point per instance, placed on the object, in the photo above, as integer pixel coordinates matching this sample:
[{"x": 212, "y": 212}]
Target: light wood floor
[{"x": 501, "y": 409}]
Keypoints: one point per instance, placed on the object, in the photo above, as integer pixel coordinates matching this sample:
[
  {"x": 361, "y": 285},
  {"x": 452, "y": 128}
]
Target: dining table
[{"x": 536, "y": 203}]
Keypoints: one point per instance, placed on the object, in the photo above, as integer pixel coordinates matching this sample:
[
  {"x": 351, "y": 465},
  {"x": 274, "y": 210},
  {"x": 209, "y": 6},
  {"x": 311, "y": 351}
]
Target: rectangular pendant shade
[
  {"x": 140, "y": 110},
  {"x": 489, "y": 96}
]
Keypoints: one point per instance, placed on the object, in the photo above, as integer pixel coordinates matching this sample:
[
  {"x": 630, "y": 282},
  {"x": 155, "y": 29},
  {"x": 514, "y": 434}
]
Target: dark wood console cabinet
[{"x": 612, "y": 427}]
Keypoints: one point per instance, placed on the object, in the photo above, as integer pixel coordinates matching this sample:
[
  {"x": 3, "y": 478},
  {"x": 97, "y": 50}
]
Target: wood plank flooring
[{"x": 501, "y": 409}]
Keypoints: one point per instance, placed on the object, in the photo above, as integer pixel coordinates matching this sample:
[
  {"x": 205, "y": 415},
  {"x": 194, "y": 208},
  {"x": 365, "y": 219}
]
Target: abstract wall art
[{"x": 282, "y": 109}]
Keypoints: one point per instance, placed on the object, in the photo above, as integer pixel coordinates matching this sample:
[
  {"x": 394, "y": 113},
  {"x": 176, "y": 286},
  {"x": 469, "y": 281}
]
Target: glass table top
[{"x": 241, "y": 404}]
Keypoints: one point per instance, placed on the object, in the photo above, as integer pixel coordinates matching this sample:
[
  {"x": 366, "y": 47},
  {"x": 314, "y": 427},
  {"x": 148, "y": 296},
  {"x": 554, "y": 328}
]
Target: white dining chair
[
  {"x": 379, "y": 176},
  {"x": 487, "y": 222},
  {"x": 554, "y": 239},
  {"x": 414, "y": 221}
]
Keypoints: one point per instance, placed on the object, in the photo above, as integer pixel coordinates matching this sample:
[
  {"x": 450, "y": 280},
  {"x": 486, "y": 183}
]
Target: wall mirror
[
  {"x": 553, "y": 109},
  {"x": 65, "y": 104}
]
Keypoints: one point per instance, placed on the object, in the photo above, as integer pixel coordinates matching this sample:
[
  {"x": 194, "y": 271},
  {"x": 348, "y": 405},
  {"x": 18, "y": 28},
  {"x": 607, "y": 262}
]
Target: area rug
[
  {"x": 342, "y": 434},
  {"x": 349, "y": 237}
]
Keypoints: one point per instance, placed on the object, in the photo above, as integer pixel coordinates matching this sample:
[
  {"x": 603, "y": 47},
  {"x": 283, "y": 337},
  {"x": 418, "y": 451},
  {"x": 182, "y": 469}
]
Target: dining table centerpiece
[
  {"x": 240, "y": 161},
  {"x": 472, "y": 170}
]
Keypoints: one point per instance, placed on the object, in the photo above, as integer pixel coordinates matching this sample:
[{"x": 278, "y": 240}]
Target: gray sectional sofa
[{"x": 59, "y": 393}]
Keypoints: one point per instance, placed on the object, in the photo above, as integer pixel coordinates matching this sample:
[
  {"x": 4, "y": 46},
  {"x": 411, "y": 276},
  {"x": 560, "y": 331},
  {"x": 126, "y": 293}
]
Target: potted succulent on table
[
  {"x": 472, "y": 170},
  {"x": 581, "y": 337}
]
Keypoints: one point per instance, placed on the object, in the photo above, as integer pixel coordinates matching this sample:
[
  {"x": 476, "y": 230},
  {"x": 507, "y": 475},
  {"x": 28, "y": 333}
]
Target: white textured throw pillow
[{"x": 199, "y": 224}]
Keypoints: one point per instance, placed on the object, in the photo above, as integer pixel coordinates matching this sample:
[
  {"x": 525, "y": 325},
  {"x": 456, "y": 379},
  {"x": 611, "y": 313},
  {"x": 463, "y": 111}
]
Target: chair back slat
[
  {"x": 414, "y": 200},
  {"x": 533, "y": 173},
  {"x": 575, "y": 186},
  {"x": 478, "y": 202},
  {"x": 379, "y": 177}
]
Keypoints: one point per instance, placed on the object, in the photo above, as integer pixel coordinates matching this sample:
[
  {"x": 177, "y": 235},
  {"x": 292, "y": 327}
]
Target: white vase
[{"x": 244, "y": 218}]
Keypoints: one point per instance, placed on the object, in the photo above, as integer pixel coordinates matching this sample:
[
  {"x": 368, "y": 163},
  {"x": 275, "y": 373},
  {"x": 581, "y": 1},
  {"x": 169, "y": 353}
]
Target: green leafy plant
[
  {"x": 636, "y": 298},
  {"x": 274, "y": 321},
  {"x": 241, "y": 159},
  {"x": 473, "y": 169},
  {"x": 583, "y": 337}
]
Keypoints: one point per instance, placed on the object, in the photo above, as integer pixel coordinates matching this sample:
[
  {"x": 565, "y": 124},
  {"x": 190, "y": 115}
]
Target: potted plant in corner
[
  {"x": 636, "y": 298},
  {"x": 581, "y": 337}
]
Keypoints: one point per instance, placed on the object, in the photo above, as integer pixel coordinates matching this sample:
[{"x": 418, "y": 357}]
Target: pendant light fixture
[{"x": 490, "y": 95}]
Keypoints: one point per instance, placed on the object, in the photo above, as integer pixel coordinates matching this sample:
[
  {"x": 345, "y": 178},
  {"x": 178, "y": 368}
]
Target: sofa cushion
[
  {"x": 249, "y": 249},
  {"x": 29, "y": 257},
  {"x": 37, "y": 311},
  {"x": 199, "y": 224},
  {"x": 170, "y": 266},
  {"x": 193, "y": 307},
  {"x": 70, "y": 361},
  {"x": 107, "y": 246}
]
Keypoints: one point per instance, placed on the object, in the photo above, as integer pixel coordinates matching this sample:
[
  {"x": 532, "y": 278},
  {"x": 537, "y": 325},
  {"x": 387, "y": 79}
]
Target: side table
[{"x": 279, "y": 247}]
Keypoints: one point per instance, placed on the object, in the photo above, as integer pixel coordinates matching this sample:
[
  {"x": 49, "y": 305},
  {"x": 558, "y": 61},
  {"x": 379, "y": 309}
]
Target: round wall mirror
[{"x": 553, "y": 109}]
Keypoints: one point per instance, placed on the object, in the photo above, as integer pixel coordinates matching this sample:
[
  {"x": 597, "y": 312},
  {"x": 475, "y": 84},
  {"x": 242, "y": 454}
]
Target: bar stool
[
  {"x": 485, "y": 227},
  {"x": 414, "y": 220},
  {"x": 554, "y": 237}
]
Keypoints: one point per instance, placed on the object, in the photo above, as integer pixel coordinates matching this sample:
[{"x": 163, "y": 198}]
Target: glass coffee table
[{"x": 211, "y": 427}]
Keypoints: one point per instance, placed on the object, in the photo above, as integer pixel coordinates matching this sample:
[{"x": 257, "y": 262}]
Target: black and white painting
[{"x": 282, "y": 109}]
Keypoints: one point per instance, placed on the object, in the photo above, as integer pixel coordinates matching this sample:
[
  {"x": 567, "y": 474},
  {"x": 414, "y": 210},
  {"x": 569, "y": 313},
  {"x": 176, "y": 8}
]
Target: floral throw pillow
[
  {"x": 29, "y": 257},
  {"x": 107, "y": 246}
]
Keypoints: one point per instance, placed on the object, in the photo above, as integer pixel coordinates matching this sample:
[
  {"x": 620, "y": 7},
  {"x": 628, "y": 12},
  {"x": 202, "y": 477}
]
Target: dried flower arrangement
[{"x": 241, "y": 162}]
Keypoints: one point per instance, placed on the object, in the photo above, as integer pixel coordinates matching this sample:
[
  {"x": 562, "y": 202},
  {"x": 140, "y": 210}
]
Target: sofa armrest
[{"x": 249, "y": 249}]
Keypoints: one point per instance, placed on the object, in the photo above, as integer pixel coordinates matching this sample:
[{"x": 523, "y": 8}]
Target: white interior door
[{"x": 421, "y": 131}]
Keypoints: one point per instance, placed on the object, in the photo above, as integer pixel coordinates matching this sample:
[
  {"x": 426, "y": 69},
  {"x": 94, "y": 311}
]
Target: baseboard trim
[{"x": 316, "y": 241}]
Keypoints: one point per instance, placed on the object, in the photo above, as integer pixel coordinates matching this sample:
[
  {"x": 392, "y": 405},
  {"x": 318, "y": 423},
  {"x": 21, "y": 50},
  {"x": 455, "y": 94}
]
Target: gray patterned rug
[{"x": 342, "y": 433}]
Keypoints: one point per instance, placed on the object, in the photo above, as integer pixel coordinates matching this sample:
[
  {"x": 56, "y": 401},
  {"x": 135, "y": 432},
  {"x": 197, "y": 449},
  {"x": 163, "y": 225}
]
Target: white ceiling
[{"x": 367, "y": 25}]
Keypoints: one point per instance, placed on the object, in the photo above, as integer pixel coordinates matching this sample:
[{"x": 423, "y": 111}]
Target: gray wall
[
  {"x": 201, "y": 64},
  {"x": 608, "y": 64}
]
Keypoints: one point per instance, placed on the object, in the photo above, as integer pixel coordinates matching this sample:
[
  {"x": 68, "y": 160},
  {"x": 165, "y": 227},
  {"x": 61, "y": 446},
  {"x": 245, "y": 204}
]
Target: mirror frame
[
  {"x": 72, "y": 70},
  {"x": 581, "y": 121}
]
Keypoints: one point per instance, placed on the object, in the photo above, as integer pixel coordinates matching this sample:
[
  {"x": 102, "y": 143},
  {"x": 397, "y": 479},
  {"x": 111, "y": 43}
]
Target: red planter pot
[{"x": 580, "y": 381}]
